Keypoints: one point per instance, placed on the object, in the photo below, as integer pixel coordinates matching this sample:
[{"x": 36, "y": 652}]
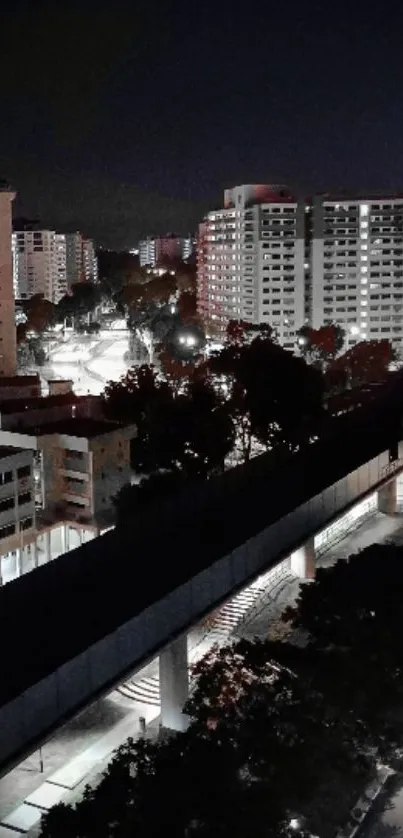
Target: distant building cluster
[
  {"x": 268, "y": 257},
  {"x": 165, "y": 250},
  {"x": 50, "y": 263}
]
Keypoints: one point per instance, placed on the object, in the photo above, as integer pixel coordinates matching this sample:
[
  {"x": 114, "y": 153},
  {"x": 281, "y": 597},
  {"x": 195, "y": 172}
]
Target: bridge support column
[
  {"x": 387, "y": 498},
  {"x": 174, "y": 684},
  {"x": 303, "y": 561}
]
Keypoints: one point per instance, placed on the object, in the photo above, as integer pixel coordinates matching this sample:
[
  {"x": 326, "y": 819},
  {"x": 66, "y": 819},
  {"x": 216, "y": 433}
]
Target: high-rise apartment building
[
  {"x": 266, "y": 257},
  {"x": 39, "y": 263},
  {"x": 357, "y": 266},
  {"x": 81, "y": 260},
  {"x": 8, "y": 348},
  {"x": 90, "y": 261},
  {"x": 251, "y": 261},
  {"x": 164, "y": 250}
]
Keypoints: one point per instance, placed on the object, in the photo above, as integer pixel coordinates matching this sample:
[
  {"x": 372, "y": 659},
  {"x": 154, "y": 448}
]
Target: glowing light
[
  {"x": 294, "y": 823},
  {"x": 354, "y": 330}
]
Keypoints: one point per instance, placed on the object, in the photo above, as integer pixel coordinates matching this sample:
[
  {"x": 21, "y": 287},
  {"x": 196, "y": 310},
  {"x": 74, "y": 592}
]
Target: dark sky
[{"x": 126, "y": 118}]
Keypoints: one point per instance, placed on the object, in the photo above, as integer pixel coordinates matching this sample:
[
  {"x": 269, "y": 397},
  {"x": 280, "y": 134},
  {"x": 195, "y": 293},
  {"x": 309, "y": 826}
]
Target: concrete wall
[
  {"x": 110, "y": 467},
  {"x": 43, "y": 706}
]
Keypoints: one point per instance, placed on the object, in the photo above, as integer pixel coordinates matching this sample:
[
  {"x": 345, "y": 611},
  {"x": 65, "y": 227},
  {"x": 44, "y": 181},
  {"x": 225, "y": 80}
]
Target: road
[
  {"x": 81, "y": 750},
  {"x": 89, "y": 361}
]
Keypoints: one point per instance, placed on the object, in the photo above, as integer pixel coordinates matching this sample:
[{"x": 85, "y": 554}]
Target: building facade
[
  {"x": 268, "y": 258},
  {"x": 81, "y": 260},
  {"x": 17, "y": 505},
  {"x": 39, "y": 263},
  {"x": 165, "y": 250},
  {"x": 251, "y": 261},
  {"x": 8, "y": 346},
  {"x": 61, "y": 466},
  {"x": 357, "y": 267}
]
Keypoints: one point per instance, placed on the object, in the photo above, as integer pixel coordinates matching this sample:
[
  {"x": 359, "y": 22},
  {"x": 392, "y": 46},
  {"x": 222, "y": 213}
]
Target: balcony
[{"x": 72, "y": 466}]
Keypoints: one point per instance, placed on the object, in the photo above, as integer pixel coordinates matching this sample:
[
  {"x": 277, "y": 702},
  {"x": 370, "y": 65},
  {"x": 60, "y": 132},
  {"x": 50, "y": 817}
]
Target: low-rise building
[
  {"x": 20, "y": 387},
  {"x": 57, "y": 485},
  {"x": 17, "y": 512}
]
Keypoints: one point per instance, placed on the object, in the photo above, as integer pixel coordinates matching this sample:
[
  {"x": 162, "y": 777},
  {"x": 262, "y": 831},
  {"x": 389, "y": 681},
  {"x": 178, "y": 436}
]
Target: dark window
[
  {"x": 24, "y": 498},
  {"x": 6, "y": 477},
  {"x": 24, "y": 471},
  {"x": 8, "y": 503},
  {"x": 26, "y": 524},
  {"x": 5, "y": 532}
]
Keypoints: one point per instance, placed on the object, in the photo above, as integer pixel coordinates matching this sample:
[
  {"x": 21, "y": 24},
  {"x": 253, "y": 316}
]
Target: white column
[
  {"x": 64, "y": 537},
  {"x": 47, "y": 540},
  {"x": 303, "y": 561},
  {"x": 18, "y": 562},
  {"x": 387, "y": 498},
  {"x": 174, "y": 684},
  {"x": 34, "y": 548}
]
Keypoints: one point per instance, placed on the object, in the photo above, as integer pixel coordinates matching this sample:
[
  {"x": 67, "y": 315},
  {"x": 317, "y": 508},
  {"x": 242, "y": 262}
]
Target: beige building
[
  {"x": 357, "y": 266},
  {"x": 251, "y": 262},
  {"x": 8, "y": 347},
  {"x": 81, "y": 260},
  {"x": 76, "y": 467},
  {"x": 39, "y": 263}
]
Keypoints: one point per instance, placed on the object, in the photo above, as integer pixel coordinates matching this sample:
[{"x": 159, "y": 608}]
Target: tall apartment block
[
  {"x": 39, "y": 263},
  {"x": 266, "y": 257},
  {"x": 49, "y": 263},
  {"x": 8, "y": 348},
  {"x": 81, "y": 260},
  {"x": 251, "y": 261},
  {"x": 357, "y": 266},
  {"x": 155, "y": 252}
]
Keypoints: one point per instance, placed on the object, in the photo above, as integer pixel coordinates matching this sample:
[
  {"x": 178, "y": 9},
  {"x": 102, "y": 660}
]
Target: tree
[
  {"x": 182, "y": 787},
  {"x": 321, "y": 345},
  {"x": 282, "y": 729},
  {"x": 83, "y": 300},
  {"x": 189, "y": 430},
  {"x": 241, "y": 333},
  {"x": 40, "y": 313},
  {"x": 274, "y": 398},
  {"x": 367, "y": 362},
  {"x": 352, "y": 614}
]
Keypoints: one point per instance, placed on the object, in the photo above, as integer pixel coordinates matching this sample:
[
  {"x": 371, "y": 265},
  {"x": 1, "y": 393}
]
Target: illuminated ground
[{"x": 90, "y": 362}]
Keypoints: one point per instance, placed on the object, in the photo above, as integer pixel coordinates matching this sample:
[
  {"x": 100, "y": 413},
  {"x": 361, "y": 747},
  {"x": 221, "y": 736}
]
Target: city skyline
[{"x": 138, "y": 137}]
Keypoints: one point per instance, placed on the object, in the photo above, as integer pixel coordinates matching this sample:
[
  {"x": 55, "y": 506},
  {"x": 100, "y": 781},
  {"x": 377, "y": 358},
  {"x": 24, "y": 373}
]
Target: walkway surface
[{"x": 80, "y": 751}]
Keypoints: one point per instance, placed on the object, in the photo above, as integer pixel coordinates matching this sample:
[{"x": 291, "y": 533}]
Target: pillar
[
  {"x": 34, "y": 548},
  {"x": 65, "y": 538},
  {"x": 303, "y": 560},
  {"x": 174, "y": 684},
  {"x": 47, "y": 540},
  {"x": 387, "y": 498},
  {"x": 18, "y": 561}
]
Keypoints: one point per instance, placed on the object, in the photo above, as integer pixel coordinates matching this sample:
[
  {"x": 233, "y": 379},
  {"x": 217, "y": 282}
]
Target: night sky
[{"x": 126, "y": 118}]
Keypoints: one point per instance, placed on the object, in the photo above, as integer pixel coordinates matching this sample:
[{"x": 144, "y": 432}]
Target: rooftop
[
  {"x": 42, "y": 402},
  {"x": 86, "y": 428},
  {"x": 8, "y": 451},
  {"x": 19, "y": 380}
]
